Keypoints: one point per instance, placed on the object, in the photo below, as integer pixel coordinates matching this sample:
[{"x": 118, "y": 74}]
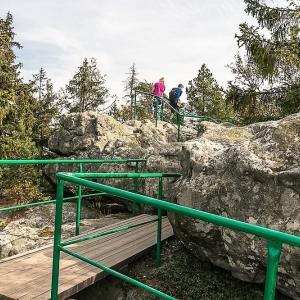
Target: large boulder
[
  {"x": 250, "y": 174},
  {"x": 92, "y": 136}
]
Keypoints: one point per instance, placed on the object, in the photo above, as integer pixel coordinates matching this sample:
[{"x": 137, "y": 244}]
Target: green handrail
[
  {"x": 275, "y": 238},
  {"x": 79, "y": 195},
  {"x": 58, "y": 246},
  {"x": 180, "y": 114}
]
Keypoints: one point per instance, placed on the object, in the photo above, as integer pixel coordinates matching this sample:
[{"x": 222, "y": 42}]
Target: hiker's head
[
  {"x": 162, "y": 80},
  {"x": 180, "y": 85}
]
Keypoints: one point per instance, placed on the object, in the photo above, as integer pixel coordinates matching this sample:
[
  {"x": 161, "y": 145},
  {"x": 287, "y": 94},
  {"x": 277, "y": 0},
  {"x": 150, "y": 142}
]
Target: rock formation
[
  {"x": 94, "y": 136},
  {"x": 246, "y": 173},
  {"x": 249, "y": 174}
]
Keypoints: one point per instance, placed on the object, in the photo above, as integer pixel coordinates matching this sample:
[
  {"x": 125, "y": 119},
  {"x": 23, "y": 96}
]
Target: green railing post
[
  {"x": 274, "y": 251},
  {"x": 78, "y": 206},
  {"x": 57, "y": 239},
  {"x": 156, "y": 107},
  {"x": 159, "y": 224},
  {"x": 178, "y": 126},
  {"x": 135, "y": 188},
  {"x": 162, "y": 109}
]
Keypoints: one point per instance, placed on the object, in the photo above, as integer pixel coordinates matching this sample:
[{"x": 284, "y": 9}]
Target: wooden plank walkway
[{"x": 28, "y": 275}]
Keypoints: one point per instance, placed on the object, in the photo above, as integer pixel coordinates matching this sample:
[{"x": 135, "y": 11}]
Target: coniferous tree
[
  {"x": 130, "y": 85},
  {"x": 204, "y": 95},
  {"x": 115, "y": 112},
  {"x": 16, "y": 100},
  {"x": 274, "y": 59},
  {"x": 249, "y": 93},
  {"x": 283, "y": 44},
  {"x": 45, "y": 110},
  {"x": 144, "y": 100},
  {"x": 16, "y": 116},
  {"x": 86, "y": 90}
]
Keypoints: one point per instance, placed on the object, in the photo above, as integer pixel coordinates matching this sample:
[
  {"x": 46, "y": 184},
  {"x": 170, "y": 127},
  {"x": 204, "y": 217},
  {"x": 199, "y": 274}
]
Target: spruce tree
[
  {"x": 282, "y": 43},
  {"x": 130, "y": 85},
  {"x": 86, "y": 90},
  {"x": 204, "y": 95},
  {"x": 16, "y": 116},
  {"x": 45, "y": 110}
]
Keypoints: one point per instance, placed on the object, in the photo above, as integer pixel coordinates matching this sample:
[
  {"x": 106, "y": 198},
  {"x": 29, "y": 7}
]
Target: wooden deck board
[
  {"x": 107, "y": 258},
  {"x": 27, "y": 276}
]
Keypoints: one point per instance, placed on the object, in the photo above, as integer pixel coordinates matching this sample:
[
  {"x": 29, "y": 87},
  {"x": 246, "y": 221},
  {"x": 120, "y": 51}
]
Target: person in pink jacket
[{"x": 158, "y": 91}]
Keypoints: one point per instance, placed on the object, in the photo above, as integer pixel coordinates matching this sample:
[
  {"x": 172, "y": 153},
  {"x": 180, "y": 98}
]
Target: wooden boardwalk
[{"x": 28, "y": 275}]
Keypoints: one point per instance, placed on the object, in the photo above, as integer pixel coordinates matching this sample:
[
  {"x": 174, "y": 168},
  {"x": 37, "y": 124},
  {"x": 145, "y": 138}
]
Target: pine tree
[
  {"x": 282, "y": 47},
  {"x": 16, "y": 114},
  {"x": 249, "y": 93},
  {"x": 204, "y": 95},
  {"x": 276, "y": 60},
  {"x": 130, "y": 85},
  {"x": 86, "y": 90},
  {"x": 45, "y": 110}
]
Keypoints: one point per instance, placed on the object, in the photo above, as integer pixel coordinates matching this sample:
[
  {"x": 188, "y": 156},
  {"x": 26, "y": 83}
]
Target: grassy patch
[{"x": 184, "y": 277}]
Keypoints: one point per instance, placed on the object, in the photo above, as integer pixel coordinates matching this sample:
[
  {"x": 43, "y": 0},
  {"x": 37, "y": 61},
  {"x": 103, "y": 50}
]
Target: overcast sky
[{"x": 170, "y": 38}]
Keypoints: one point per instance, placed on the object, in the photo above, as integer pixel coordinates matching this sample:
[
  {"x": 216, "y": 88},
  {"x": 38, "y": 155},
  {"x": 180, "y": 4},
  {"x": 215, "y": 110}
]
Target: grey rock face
[
  {"x": 250, "y": 174},
  {"x": 89, "y": 135},
  {"x": 36, "y": 227}
]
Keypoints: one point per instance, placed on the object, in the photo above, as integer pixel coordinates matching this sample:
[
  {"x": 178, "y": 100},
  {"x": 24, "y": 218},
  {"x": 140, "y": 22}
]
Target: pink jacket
[{"x": 159, "y": 89}]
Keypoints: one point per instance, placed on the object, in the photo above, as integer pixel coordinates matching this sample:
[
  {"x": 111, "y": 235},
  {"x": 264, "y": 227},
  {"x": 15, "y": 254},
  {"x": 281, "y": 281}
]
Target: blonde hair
[{"x": 162, "y": 79}]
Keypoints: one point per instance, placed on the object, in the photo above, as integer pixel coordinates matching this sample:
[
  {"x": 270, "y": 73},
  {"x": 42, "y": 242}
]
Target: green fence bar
[
  {"x": 275, "y": 238},
  {"x": 159, "y": 225},
  {"x": 184, "y": 113},
  {"x": 63, "y": 161},
  {"x": 135, "y": 189},
  {"x": 117, "y": 274},
  {"x": 57, "y": 238},
  {"x": 78, "y": 206},
  {"x": 120, "y": 175},
  {"x": 266, "y": 233},
  {"x": 274, "y": 251}
]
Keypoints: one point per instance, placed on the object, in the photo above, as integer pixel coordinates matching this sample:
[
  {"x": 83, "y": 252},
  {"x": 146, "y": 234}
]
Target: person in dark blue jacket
[{"x": 175, "y": 102}]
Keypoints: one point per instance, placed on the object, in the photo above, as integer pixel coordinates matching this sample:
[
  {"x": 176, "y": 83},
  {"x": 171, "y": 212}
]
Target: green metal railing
[
  {"x": 275, "y": 238},
  {"x": 180, "y": 115},
  {"x": 79, "y": 195}
]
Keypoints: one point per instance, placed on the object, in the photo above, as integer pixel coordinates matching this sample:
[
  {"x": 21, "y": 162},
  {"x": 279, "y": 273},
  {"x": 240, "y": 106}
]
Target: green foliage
[
  {"x": 267, "y": 83},
  {"x": 86, "y": 90},
  {"x": 283, "y": 44},
  {"x": 45, "y": 110},
  {"x": 248, "y": 95},
  {"x": 16, "y": 116},
  {"x": 185, "y": 277},
  {"x": 19, "y": 114},
  {"x": 205, "y": 97},
  {"x": 144, "y": 101},
  {"x": 130, "y": 85},
  {"x": 25, "y": 191},
  {"x": 115, "y": 112}
]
